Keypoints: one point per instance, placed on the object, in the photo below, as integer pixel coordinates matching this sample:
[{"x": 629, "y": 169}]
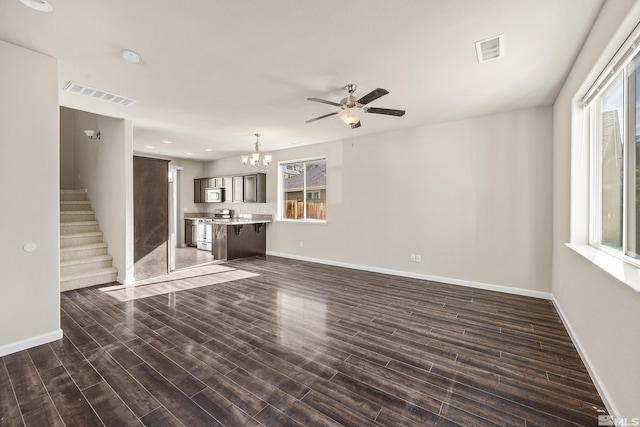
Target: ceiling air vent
[
  {"x": 100, "y": 94},
  {"x": 491, "y": 48}
]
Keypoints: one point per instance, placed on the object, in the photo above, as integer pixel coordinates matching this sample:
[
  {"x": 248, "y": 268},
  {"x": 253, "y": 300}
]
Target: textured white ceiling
[{"x": 214, "y": 72}]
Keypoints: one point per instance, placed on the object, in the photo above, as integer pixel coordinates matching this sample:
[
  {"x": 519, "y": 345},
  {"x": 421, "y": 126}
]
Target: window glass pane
[
  {"x": 633, "y": 222},
  {"x": 304, "y": 192},
  {"x": 611, "y": 167},
  {"x": 316, "y": 183},
  {"x": 293, "y": 190}
]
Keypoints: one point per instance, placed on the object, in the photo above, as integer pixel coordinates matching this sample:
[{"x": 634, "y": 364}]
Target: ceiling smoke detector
[
  {"x": 491, "y": 48},
  {"x": 130, "y": 56}
]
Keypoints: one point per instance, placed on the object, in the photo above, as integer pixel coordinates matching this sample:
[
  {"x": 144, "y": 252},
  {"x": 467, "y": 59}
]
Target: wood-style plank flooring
[{"x": 302, "y": 344}]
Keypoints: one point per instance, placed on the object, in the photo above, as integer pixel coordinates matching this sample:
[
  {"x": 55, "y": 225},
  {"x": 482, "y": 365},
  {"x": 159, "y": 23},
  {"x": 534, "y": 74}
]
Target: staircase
[{"x": 84, "y": 260}]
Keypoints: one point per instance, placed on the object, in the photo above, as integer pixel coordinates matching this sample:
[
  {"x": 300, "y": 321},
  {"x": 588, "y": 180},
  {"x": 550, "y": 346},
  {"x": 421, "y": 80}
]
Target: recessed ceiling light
[
  {"x": 208, "y": 149},
  {"x": 39, "y": 5},
  {"x": 189, "y": 154},
  {"x": 167, "y": 142},
  {"x": 150, "y": 146},
  {"x": 130, "y": 56}
]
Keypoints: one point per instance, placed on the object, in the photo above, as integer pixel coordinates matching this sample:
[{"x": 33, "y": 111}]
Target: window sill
[
  {"x": 623, "y": 271},
  {"x": 304, "y": 221}
]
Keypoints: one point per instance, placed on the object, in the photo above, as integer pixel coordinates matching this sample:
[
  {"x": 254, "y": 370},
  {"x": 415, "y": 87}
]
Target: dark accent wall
[{"x": 151, "y": 216}]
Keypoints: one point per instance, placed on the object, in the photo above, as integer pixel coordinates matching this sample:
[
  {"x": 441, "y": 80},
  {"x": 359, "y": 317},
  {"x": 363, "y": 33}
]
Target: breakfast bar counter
[{"x": 239, "y": 237}]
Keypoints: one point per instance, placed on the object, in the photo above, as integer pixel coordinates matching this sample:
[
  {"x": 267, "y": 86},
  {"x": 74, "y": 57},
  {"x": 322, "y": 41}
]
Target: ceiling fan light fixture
[{"x": 351, "y": 116}]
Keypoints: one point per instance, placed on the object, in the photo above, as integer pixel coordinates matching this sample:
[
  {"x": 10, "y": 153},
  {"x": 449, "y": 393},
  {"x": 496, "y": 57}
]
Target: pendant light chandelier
[{"x": 256, "y": 159}]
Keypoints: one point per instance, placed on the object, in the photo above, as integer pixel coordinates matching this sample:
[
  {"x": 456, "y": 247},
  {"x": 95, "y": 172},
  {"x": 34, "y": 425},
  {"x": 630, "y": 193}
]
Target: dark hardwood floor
[{"x": 302, "y": 344}]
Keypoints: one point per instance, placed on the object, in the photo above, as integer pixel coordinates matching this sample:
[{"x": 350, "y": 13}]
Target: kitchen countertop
[
  {"x": 254, "y": 219},
  {"x": 240, "y": 221}
]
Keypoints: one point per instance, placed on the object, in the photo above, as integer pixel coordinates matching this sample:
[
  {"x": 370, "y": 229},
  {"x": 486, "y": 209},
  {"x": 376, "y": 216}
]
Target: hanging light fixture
[
  {"x": 351, "y": 116},
  {"x": 256, "y": 159}
]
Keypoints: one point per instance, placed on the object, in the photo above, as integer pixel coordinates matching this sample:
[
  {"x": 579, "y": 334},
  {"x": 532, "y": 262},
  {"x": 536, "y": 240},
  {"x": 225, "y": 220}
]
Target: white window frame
[
  {"x": 615, "y": 262},
  {"x": 592, "y": 112},
  {"x": 280, "y": 198}
]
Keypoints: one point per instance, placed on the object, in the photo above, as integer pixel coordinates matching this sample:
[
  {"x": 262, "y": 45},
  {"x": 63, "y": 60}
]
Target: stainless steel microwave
[{"x": 213, "y": 195}]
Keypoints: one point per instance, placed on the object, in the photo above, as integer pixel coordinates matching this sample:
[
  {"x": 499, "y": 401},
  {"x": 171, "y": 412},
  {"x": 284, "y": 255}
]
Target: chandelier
[{"x": 256, "y": 159}]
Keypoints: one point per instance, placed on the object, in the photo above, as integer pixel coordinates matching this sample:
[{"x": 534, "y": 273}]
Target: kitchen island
[{"x": 239, "y": 237}]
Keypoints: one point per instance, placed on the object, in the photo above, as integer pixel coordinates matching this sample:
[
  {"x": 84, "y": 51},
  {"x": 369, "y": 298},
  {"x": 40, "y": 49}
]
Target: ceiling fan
[{"x": 351, "y": 109}]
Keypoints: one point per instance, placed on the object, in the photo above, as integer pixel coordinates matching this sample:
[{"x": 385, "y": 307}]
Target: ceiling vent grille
[
  {"x": 491, "y": 48},
  {"x": 100, "y": 94}
]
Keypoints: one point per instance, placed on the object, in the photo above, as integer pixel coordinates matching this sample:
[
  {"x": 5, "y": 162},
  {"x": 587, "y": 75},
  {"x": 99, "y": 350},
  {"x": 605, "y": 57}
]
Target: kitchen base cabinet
[
  {"x": 238, "y": 240},
  {"x": 191, "y": 232}
]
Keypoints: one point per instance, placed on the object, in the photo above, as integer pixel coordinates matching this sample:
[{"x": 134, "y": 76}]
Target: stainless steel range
[
  {"x": 204, "y": 234},
  {"x": 222, "y": 214}
]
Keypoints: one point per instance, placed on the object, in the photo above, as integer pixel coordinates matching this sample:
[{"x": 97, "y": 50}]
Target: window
[
  {"x": 613, "y": 113},
  {"x": 303, "y": 190}
]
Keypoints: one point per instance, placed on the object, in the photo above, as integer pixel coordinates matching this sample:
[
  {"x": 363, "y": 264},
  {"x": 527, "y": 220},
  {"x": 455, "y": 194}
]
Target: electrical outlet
[
  {"x": 418, "y": 258},
  {"x": 413, "y": 257},
  {"x": 301, "y": 244}
]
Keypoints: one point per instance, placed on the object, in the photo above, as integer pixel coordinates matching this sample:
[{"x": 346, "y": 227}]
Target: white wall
[
  {"x": 472, "y": 197},
  {"x": 29, "y": 196},
  {"x": 190, "y": 169},
  {"x": 105, "y": 168},
  {"x": 603, "y": 314},
  {"x": 67, "y": 143}
]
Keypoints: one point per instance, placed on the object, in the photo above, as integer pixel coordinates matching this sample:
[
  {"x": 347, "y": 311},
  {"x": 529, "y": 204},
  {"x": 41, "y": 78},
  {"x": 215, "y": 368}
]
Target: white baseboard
[
  {"x": 459, "y": 282},
  {"x": 597, "y": 381},
  {"x": 127, "y": 282},
  {"x": 31, "y": 342}
]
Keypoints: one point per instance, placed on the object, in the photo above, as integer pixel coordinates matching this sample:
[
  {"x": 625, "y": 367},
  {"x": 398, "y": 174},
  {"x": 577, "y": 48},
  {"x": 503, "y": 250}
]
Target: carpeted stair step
[
  {"x": 76, "y": 227},
  {"x": 76, "y": 216},
  {"x": 84, "y": 279},
  {"x": 75, "y": 205},
  {"x": 68, "y": 195},
  {"x": 76, "y": 252},
  {"x": 78, "y": 266},
  {"x": 73, "y": 239}
]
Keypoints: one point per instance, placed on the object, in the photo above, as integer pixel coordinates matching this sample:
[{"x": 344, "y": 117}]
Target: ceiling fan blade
[
  {"x": 355, "y": 125},
  {"x": 322, "y": 117},
  {"x": 372, "y": 96},
  {"x": 387, "y": 111},
  {"x": 324, "y": 101}
]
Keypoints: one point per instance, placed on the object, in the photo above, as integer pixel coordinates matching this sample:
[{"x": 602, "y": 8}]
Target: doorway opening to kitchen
[{"x": 180, "y": 256}]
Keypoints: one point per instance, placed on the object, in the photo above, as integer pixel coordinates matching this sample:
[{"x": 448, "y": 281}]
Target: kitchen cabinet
[
  {"x": 215, "y": 182},
  {"x": 255, "y": 188},
  {"x": 191, "y": 232},
  {"x": 231, "y": 241},
  {"x": 251, "y": 188},
  {"x": 198, "y": 190},
  {"x": 238, "y": 189},
  {"x": 228, "y": 189}
]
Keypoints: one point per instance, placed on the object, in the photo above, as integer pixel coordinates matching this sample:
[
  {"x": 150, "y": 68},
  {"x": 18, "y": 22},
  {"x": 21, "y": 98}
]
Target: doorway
[
  {"x": 173, "y": 215},
  {"x": 179, "y": 255}
]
